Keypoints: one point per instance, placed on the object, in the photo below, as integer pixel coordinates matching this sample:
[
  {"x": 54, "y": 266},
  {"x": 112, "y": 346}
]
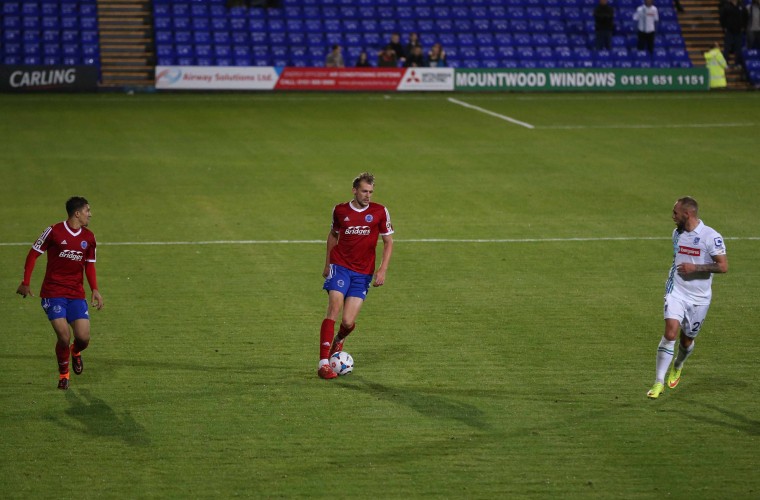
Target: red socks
[
  {"x": 62, "y": 353},
  {"x": 78, "y": 346},
  {"x": 343, "y": 331},
  {"x": 326, "y": 335}
]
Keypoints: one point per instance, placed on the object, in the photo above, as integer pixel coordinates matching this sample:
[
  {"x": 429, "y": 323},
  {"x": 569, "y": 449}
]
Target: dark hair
[
  {"x": 75, "y": 203},
  {"x": 689, "y": 203},
  {"x": 364, "y": 177},
  {"x": 335, "y": 46}
]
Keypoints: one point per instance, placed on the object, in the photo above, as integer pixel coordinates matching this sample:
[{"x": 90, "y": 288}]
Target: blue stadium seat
[
  {"x": 426, "y": 25},
  {"x": 540, "y": 39},
  {"x": 516, "y": 13},
  {"x": 492, "y": 27},
  {"x": 11, "y": 8},
  {"x": 497, "y": 12},
  {"x": 537, "y": 26},
  {"x": 90, "y": 50},
  {"x": 523, "y": 40},
  {"x": 14, "y": 22},
  {"x": 519, "y": 26},
  {"x": 185, "y": 50},
  {"x": 466, "y": 39},
  {"x": 165, "y": 60},
  {"x": 164, "y": 51},
  {"x": 506, "y": 52},
  {"x": 89, "y": 36},
  {"x": 204, "y": 51},
  {"x": 70, "y": 36},
  {"x": 621, "y": 54},
  {"x": 334, "y": 38},
  {"x": 503, "y": 39},
  {"x": 315, "y": 38}
]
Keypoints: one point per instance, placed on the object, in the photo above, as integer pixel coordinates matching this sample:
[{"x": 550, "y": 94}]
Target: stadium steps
[
  {"x": 127, "y": 56},
  {"x": 700, "y": 29}
]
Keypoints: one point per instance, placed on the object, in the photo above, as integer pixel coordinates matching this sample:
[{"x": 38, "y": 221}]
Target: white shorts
[{"x": 691, "y": 316}]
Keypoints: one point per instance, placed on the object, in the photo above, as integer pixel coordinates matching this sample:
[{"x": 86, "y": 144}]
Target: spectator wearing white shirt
[{"x": 647, "y": 18}]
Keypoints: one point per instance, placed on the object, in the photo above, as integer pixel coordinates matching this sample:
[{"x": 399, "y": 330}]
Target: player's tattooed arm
[{"x": 719, "y": 265}]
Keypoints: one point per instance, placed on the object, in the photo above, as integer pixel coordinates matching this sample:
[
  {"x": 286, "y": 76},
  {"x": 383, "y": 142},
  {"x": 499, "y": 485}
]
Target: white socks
[{"x": 665, "y": 353}]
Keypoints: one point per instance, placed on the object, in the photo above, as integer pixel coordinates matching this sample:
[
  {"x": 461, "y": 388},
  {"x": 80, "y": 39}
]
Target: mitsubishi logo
[{"x": 413, "y": 77}]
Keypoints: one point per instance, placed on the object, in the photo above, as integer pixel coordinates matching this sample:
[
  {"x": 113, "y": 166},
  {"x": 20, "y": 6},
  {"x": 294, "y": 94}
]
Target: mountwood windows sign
[
  {"x": 45, "y": 78},
  {"x": 582, "y": 79}
]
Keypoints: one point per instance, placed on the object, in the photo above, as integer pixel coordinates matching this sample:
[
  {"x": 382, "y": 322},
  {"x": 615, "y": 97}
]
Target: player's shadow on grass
[
  {"x": 429, "y": 405},
  {"x": 97, "y": 418},
  {"x": 114, "y": 363},
  {"x": 733, "y": 420}
]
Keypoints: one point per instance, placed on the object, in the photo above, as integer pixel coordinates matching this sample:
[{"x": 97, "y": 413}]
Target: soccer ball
[{"x": 342, "y": 363}]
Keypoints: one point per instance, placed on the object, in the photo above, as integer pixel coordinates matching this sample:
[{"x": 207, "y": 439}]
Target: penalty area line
[{"x": 491, "y": 113}]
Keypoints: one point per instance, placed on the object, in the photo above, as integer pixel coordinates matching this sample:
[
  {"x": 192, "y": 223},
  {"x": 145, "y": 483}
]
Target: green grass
[{"x": 483, "y": 369}]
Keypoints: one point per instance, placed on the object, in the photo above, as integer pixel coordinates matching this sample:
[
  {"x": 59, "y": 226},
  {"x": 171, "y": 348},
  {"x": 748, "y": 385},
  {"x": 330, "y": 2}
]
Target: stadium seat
[{"x": 492, "y": 27}]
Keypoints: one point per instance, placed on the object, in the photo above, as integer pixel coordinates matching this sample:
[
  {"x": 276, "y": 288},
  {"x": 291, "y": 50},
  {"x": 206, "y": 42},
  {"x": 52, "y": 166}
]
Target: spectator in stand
[
  {"x": 437, "y": 56},
  {"x": 716, "y": 64},
  {"x": 395, "y": 44},
  {"x": 416, "y": 59},
  {"x": 335, "y": 58},
  {"x": 753, "y": 25},
  {"x": 733, "y": 20},
  {"x": 646, "y": 17},
  {"x": 387, "y": 58},
  {"x": 414, "y": 41},
  {"x": 363, "y": 62},
  {"x": 604, "y": 18}
]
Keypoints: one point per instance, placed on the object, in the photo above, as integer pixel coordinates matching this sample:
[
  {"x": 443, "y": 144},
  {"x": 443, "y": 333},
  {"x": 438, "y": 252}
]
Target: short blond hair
[{"x": 364, "y": 177}]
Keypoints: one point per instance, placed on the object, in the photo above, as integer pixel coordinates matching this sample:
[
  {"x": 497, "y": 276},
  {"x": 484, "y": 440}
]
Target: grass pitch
[{"x": 508, "y": 355}]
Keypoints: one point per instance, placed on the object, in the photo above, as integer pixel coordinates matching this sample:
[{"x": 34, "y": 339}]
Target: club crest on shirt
[
  {"x": 84, "y": 245},
  {"x": 696, "y": 240},
  {"x": 369, "y": 218}
]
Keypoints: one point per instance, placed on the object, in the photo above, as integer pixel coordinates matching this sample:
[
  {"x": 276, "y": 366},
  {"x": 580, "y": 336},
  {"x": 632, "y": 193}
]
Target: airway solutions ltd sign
[{"x": 537, "y": 80}]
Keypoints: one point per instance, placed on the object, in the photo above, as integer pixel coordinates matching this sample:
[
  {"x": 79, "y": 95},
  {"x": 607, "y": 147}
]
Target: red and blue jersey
[
  {"x": 358, "y": 230},
  {"x": 68, "y": 251}
]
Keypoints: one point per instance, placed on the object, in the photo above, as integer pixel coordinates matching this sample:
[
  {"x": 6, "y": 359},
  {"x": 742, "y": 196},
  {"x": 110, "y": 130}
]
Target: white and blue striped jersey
[{"x": 695, "y": 247}]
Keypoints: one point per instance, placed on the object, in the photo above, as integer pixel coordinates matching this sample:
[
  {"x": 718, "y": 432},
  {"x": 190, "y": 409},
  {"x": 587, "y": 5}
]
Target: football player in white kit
[{"x": 698, "y": 252}]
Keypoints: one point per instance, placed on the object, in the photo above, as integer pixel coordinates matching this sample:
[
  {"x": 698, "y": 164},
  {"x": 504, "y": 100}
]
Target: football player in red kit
[
  {"x": 71, "y": 252},
  {"x": 350, "y": 264}
]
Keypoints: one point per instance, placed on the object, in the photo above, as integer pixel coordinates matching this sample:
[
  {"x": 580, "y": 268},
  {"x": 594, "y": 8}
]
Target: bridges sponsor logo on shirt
[
  {"x": 72, "y": 254},
  {"x": 357, "y": 230},
  {"x": 694, "y": 252}
]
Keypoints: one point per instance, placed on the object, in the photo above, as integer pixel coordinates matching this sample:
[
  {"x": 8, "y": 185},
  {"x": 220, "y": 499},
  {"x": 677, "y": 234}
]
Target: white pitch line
[
  {"x": 497, "y": 115},
  {"x": 418, "y": 240},
  {"x": 684, "y": 125}
]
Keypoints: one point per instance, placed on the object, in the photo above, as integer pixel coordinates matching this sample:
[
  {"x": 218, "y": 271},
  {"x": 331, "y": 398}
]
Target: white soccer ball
[{"x": 342, "y": 363}]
